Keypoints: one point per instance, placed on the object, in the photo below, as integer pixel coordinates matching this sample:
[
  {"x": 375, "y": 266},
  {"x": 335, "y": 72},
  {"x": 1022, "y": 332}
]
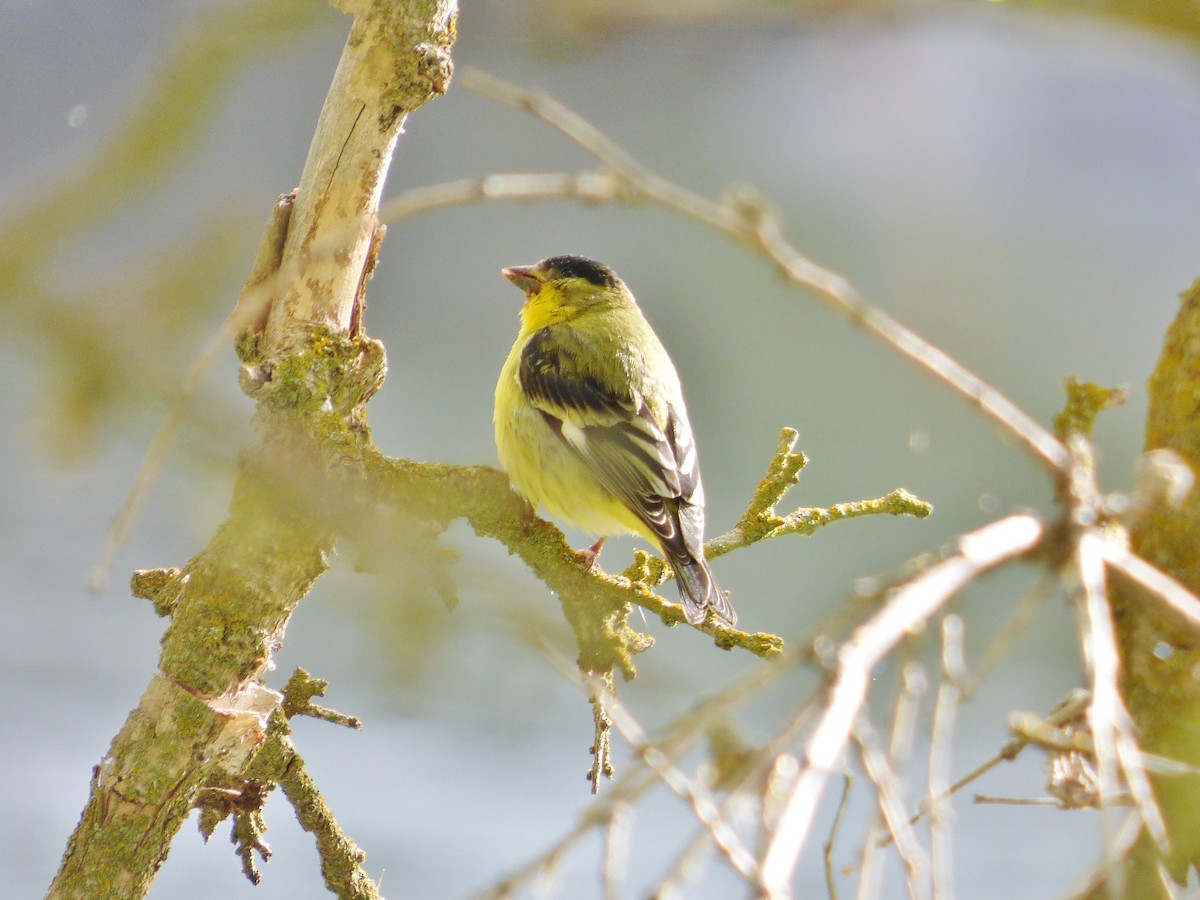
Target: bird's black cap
[{"x": 581, "y": 267}]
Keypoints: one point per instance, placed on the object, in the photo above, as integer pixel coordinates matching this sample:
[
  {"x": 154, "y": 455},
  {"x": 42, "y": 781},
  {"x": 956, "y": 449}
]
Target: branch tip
[
  {"x": 297, "y": 700},
  {"x": 1085, "y": 402},
  {"x": 162, "y": 587}
]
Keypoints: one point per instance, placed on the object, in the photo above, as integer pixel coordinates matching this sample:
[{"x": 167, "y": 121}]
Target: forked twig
[{"x": 1112, "y": 729}]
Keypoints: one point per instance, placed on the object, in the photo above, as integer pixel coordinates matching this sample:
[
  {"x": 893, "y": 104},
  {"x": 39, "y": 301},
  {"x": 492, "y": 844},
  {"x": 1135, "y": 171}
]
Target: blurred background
[{"x": 1019, "y": 188}]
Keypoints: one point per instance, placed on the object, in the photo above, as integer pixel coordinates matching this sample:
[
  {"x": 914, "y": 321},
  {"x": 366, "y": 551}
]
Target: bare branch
[
  {"x": 945, "y": 712},
  {"x": 1112, "y": 728},
  {"x": 909, "y": 609},
  {"x": 743, "y": 217},
  {"x": 348, "y": 162},
  {"x": 1156, "y": 582},
  {"x": 883, "y": 776},
  {"x": 703, "y": 805}
]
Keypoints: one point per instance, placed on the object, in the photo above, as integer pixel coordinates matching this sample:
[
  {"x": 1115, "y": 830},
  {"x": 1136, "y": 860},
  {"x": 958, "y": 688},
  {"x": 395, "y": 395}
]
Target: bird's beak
[{"x": 528, "y": 278}]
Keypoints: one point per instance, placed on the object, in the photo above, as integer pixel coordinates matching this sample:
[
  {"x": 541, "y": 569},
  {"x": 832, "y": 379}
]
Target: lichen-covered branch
[
  {"x": 244, "y": 794},
  {"x": 204, "y": 714},
  {"x": 279, "y": 762},
  {"x": 597, "y": 603}
]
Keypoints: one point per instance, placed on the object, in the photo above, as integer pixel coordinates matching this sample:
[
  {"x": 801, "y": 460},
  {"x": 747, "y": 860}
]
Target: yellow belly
[{"x": 546, "y": 471}]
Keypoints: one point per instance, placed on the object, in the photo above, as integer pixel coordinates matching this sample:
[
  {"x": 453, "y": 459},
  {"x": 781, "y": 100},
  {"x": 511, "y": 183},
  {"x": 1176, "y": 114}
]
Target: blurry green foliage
[{"x": 121, "y": 338}]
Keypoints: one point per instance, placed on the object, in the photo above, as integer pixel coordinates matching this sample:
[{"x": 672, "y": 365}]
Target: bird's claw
[{"x": 591, "y": 554}]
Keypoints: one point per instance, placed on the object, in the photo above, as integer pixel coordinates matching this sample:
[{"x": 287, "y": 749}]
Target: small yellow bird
[{"x": 591, "y": 426}]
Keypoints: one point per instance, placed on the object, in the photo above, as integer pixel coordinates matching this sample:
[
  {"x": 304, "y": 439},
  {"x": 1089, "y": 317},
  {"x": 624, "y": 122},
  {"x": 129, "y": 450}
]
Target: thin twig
[
  {"x": 523, "y": 187},
  {"x": 657, "y": 757},
  {"x": 880, "y": 833},
  {"x": 883, "y": 776},
  {"x": 940, "y": 746},
  {"x": 764, "y": 777},
  {"x": 602, "y": 766},
  {"x": 703, "y": 806},
  {"x": 913, "y": 683},
  {"x": 744, "y": 217},
  {"x": 984, "y": 799},
  {"x": 616, "y": 851},
  {"x": 1104, "y": 712},
  {"x": 1072, "y": 707},
  {"x": 830, "y": 871},
  {"x": 871, "y": 861},
  {"x": 677, "y": 741}
]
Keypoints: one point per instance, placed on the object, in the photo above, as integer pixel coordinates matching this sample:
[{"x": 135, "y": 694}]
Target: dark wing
[
  {"x": 552, "y": 380},
  {"x": 650, "y": 466},
  {"x": 612, "y": 430}
]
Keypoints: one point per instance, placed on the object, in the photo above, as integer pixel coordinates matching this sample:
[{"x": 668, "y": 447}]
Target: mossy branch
[
  {"x": 1085, "y": 401},
  {"x": 280, "y": 762},
  {"x": 760, "y": 522},
  {"x": 595, "y": 602},
  {"x": 205, "y": 713},
  {"x": 243, "y": 796},
  {"x": 204, "y": 719}
]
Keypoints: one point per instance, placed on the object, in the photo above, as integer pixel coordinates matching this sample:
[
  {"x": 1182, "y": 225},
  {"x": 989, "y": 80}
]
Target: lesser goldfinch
[{"x": 590, "y": 421}]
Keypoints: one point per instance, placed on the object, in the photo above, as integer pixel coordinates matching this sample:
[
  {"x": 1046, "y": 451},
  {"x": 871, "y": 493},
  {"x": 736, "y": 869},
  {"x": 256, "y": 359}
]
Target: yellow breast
[{"x": 544, "y": 469}]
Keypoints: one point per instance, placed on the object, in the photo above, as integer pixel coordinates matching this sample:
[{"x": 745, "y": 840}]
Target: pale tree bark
[{"x": 204, "y": 715}]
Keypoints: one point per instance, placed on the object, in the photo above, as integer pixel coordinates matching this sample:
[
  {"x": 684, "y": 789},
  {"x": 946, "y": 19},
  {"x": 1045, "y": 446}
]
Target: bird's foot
[{"x": 591, "y": 554}]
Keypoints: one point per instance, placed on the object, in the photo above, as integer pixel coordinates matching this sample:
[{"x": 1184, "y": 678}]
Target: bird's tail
[{"x": 698, "y": 590}]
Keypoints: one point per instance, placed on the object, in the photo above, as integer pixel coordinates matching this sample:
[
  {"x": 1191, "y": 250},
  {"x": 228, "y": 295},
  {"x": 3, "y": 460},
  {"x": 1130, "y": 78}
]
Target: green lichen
[
  {"x": 1085, "y": 401},
  {"x": 314, "y": 442},
  {"x": 161, "y": 587},
  {"x": 248, "y": 346}
]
